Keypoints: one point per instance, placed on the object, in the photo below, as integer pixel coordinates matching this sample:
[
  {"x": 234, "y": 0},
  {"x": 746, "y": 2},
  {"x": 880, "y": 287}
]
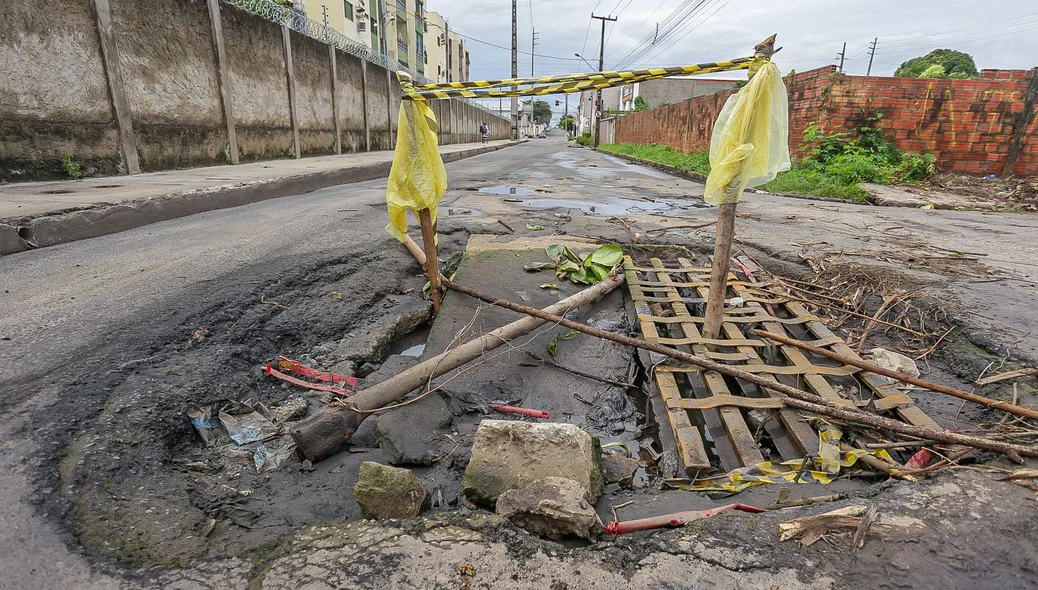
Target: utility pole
[
  {"x": 601, "y": 66},
  {"x": 515, "y": 74},
  {"x": 565, "y": 117},
  {"x": 324, "y": 14},
  {"x": 841, "y": 55},
  {"x": 872, "y": 53}
]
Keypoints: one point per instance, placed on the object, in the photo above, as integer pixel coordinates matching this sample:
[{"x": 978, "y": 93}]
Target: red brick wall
[{"x": 967, "y": 124}]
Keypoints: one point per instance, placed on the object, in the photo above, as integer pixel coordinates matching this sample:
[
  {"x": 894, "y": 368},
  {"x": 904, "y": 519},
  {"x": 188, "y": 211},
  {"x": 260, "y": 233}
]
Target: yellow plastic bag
[
  {"x": 417, "y": 179},
  {"x": 749, "y": 145}
]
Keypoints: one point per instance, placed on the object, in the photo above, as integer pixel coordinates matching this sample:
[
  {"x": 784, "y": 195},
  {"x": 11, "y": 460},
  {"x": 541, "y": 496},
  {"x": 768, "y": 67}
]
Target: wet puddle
[
  {"x": 460, "y": 212},
  {"x": 617, "y": 206},
  {"x": 506, "y": 190}
]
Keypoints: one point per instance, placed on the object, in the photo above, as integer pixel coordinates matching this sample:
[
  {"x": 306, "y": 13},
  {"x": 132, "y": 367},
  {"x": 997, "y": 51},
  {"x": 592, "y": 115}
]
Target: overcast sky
[{"x": 997, "y": 33}]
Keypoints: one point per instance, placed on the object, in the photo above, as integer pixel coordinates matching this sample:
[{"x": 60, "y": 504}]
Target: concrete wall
[
  {"x": 670, "y": 90},
  {"x": 158, "y": 101},
  {"x": 53, "y": 93},
  {"x": 981, "y": 126}
]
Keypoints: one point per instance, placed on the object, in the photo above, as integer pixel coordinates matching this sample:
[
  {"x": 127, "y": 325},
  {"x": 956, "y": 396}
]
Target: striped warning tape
[{"x": 560, "y": 84}]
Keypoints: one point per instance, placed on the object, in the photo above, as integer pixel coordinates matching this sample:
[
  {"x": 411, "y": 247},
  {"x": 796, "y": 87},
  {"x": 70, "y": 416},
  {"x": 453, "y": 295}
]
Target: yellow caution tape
[
  {"x": 562, "y": 83},
  {"x": 417, "y": 179},
  {"x": 829, "y": 462}
]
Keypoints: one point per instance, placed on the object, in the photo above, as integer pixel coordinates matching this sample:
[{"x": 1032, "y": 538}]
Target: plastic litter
[
  {"x": 247, "y": 422},
  {"x": 749, "y": 145},
  {"x": 673, "y": 520},
  {"x": 417, "y": 179},
  {"x": 893, "y": 361}
]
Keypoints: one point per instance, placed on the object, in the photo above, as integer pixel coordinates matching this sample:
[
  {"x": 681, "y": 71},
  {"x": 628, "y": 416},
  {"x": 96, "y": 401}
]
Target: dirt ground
[{"x": 123, "y": 467}]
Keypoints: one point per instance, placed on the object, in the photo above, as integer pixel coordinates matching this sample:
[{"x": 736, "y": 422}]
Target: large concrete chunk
[
  {"x": 388, "y": 492},
  {"x": 551, "y": 506},
  {"x": 509, "y": 455}
]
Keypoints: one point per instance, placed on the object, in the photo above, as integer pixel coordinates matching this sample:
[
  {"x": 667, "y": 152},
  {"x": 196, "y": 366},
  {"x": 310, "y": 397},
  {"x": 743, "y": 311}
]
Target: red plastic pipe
[
  {"x": 672, "y": 520},
  {"x": 271, "y": 371},
  {"x": 299, "y": 368},
  {"x": 505, "y": 409}
]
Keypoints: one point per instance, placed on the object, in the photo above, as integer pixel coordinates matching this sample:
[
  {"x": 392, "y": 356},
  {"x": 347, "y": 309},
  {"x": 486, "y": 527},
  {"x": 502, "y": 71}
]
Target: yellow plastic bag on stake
[
  {"x": 749, "y": 145},
  {"x": 417, "y": 179}
]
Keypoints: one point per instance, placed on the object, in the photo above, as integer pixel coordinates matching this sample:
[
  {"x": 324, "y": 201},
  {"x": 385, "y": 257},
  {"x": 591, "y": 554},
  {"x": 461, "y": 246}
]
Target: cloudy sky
[{"x": 997, "y": 33}]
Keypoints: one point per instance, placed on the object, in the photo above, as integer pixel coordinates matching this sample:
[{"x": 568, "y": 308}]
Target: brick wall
[{"x": 969, "y": 125}]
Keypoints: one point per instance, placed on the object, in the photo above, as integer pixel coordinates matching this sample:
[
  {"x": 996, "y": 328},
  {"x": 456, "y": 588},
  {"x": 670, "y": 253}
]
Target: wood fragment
[
  {"x": 874, "y": 368},
  {"x": 432, "y": 263},
  {"x": 1025, "y": 372},
  {"x": 508, "y": 227},
  {"x": 812, "y": 528},
  {"x": 887, "y": 302},
  {"x": 858, "y": 541},
  {"x": 797, "y": 398},
  {"x": 719, "y": 270}
]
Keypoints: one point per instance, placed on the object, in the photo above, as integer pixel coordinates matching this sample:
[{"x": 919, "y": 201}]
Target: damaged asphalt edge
[{"x": 20, "y": 234}]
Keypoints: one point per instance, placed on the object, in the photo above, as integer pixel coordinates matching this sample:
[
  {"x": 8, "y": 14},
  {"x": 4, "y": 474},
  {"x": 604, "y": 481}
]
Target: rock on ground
[
  {"x": 509, "y": 455},
  {"x": 411, "y": 434},
  {"x": 618, "y": 468},
  {"x": 551, "y": 506},
  {"x": 388, "y": 492}
]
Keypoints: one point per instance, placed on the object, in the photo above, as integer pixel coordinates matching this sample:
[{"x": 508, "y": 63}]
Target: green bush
[
  {"x": 585, "y": 139},
  {"x": 915, "y": 167},
  {"x": 72, "y": 168}
]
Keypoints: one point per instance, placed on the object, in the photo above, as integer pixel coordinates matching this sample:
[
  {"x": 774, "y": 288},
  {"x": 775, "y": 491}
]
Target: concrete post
[
  {"x": 335, "y": 98},
  {"x": 389, "y": 107},
  {"x": 364, "y": 103},
  {"x": 291, "y": 77},
  {"x": 222, "y": 79},
  {"x": 116, "y": 89}
]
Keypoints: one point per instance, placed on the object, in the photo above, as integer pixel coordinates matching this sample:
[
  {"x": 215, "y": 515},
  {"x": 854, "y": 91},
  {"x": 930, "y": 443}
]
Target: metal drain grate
[{"x": 725, "y": 423}]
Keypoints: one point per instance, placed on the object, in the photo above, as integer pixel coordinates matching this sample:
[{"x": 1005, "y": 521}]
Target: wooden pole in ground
[
  {"x": 723, "y": 238},
  {"x": 719, "y": 272},
  {"x": 797, "y": 398},
  {"x": 432, "y": 262},
  {"x": 874, "y": 368},
  {"x": 323, "y": 433}
]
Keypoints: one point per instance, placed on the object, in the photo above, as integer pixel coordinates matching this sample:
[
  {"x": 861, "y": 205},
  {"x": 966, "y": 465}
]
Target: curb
[{"x": 50, "y": 229}]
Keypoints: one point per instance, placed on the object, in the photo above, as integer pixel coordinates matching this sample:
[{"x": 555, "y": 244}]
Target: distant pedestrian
[{"x": 484, "y": 132}]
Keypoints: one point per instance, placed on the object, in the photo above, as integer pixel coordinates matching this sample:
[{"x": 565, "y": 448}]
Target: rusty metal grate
[{"x": 719, "y": 422}]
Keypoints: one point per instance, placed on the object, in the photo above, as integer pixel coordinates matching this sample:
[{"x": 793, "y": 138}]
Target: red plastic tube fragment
[
  {"x": 672, "y": 520},
  {"x": 287, "y": 364},
  {"x": 271, "y": 371},
  {"x": 505, "y": 409}
]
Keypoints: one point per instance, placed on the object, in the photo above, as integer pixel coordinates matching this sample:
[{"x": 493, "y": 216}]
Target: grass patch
[{"x": 833, "y": 168}]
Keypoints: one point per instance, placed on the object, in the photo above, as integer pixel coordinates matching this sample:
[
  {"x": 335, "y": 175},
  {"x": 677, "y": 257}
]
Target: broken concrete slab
[
  {"x": 898, "y": 196},
  {"x": 551, "y": 506},
  {"x": 510, "y": 454},
  {"x": 290, "y": 410},
  {"x": 370, "y": 343},
  {"x": 388, "y": 492},
  {"x": 411, "y": 434}
]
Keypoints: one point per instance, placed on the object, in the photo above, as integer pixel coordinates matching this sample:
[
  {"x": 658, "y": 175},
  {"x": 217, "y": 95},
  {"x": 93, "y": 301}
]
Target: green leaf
[
  {"x": 534, "y": 227},
  {"x": 581, "y": 276},
  {"x": 600, "y": 273},
  {"x": 608, "y": 256},
  {"x": 569, "y": 335},
  {"x": 568, "y": 266},
  {"x": 553, "y": 345},
  {"x": 554, "y": 251},
  {"x": 536, "y": 266},
  {"x": 549, "y": 286},
  {"x": 569, "y": 254}
]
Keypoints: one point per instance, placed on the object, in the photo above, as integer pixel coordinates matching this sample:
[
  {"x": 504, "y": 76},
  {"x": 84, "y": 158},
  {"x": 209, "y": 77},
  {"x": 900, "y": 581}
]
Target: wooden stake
[
  {"x": 432, "y": 262},
  {"x": 874, "y": 368},
  {"x": 719, "y": 271}
]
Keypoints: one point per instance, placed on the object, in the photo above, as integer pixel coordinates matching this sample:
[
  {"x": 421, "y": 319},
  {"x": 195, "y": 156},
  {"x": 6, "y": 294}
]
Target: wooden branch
[
  {"x": 432, "y": 262},
  {"x": 719, "y": 270},
  {"x": 798, "y": 399},
  {"x": 322, "y": 434},
  {"x": 1008, "y": 375},
  {"x": 874, "y": 368}
]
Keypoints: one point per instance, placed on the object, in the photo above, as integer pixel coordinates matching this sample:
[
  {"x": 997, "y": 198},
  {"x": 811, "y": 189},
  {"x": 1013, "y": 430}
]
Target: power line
[
  {"x": 973, "y": 28},
  {"x": 672, "y": 23},
  {"x": 673, "y": 41},
  {"x": 538, "y": 55},
  {"x": 894, "y": 49},
  {"x": 642, "y": 24}
]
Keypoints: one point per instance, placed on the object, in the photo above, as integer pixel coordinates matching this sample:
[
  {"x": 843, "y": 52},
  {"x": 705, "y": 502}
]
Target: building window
[
  {"x": 349, "y": 9},
  {"x": 419, "y": 41}
]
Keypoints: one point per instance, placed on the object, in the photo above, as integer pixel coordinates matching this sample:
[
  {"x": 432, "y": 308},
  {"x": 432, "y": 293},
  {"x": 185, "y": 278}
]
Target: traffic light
[{"x": 556, "y": 103}]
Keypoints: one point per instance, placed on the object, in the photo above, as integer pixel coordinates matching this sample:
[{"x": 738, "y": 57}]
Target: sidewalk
[{"x": 37, "y": 214}]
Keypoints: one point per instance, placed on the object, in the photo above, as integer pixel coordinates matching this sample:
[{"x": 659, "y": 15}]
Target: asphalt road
[{"x": 73, "y": 313}]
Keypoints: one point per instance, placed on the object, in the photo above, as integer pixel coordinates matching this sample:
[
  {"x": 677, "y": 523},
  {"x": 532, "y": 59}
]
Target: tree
[
  {"x": 639, "y": 104},
  {"x": 939, "y": 63},
  {"x": 567, "y": 123},
  {"x": 541, "y": 112}
]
